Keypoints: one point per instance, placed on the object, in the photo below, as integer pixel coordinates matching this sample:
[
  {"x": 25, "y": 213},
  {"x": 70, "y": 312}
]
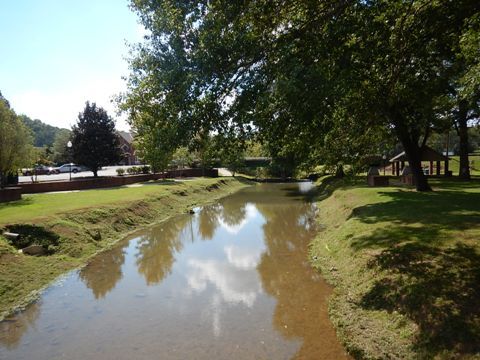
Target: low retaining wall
[
  {"x": 10, "y": 194},
  {"x": 84, "y": 184},
  {"x": 192, "y": 173},
  {"x": 107, "y": 182}
]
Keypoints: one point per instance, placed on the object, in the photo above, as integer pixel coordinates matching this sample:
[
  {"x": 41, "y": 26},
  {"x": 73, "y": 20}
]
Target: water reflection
[
  {"x": 208, "y": 221},
  {"x": 301, "y": 295},
  {"x": 232, "y": 216},
  {"x": 158, "y": 247},
  {"x": 246, "y": 292},
  {"x": 103, "y": 272},
  {"x": 13, "y": 328}
]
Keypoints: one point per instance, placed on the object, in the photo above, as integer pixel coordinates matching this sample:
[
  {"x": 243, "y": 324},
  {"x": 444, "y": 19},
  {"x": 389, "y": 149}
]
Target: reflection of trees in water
[
  {"x": 208, "y": 221},
  {"x": 12, "y": 329},
  {"x": 104, "y": 271},
  {"x": 156, "y": 250},
  {"x": 233, "y": 212},
  {"x": 288, "y": 226},
  {"x": 287, "y": 276}
]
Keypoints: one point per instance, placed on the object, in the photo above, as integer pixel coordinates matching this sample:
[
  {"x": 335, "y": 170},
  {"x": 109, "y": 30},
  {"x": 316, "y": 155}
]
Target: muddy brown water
[{"x": 231, "y": 281}]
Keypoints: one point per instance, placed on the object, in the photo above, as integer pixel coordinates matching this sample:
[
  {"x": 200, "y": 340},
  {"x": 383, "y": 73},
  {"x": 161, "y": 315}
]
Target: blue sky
[{"x": 57, "y": 54}]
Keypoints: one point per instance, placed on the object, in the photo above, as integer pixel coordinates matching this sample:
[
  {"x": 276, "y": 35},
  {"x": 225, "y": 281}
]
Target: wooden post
[
  {"x": 437, "y": 168},
  {"x": 398, "y": 169},
  {"x": 393, "y": 168},
  {"x": 446, "y": 167},
  {"x": 431, "y": 168}
]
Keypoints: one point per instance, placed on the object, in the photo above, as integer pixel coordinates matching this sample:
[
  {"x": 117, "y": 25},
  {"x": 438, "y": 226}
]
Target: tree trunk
[
  {"x": 95, "y": 172},
  {"x": 339, "y": 173},
  {"x": 414, "y": 155},
  {"x": 462, "y": 129}
]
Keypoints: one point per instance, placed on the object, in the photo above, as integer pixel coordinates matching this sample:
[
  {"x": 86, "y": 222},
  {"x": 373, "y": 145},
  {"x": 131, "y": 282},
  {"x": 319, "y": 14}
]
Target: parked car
[
  {"x": 38, "y": 170},
  {"x": 65, "y": 168}
]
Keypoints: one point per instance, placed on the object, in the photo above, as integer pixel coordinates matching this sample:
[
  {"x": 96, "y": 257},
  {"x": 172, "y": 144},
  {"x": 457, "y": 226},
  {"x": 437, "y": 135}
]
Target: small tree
[
  {"x": 152, "y": 150},
  {"x": 61, "y": 153},
  {"x": 232, "y": 152},
  {"x": 95, "y": 143},
  {"x": 182, "y": 157},
  {"x": 15, "y": 142}
]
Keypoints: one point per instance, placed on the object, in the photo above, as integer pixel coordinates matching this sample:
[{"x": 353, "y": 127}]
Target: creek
[{"x": 231, "y": 281}]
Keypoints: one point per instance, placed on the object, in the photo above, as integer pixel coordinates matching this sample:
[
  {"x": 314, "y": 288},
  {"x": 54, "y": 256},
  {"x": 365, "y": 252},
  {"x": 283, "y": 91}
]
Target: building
[{"x": 127, "y": 149}]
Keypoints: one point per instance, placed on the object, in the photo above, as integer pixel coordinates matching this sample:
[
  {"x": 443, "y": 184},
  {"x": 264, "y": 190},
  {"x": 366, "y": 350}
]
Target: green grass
[
  {"x": 82, "y": 224},
  {"x": 454, "y": 164},
  {"x": 406, "y": 269},
  {"x": 45, "y": 205}
]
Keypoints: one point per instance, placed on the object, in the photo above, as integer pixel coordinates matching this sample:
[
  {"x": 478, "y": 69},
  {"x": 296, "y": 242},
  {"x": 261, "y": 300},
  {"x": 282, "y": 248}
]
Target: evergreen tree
[{"x": 95, "y": 142}]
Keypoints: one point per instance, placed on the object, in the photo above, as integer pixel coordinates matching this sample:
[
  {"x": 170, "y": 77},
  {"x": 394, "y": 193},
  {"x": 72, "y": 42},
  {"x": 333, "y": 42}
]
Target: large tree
[
  {"x": 299, "y": 71},
  {"x": 15, "y": 142},
  {"x": 94, "y": 140}
]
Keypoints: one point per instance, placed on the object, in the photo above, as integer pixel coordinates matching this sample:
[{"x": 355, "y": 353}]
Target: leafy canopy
[{"x": 317, "y": 81}]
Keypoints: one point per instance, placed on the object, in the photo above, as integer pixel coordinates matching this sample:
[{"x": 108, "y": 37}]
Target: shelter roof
[
  {"x": 428, "y": 154},
  {"x": 126, "y": 136}
]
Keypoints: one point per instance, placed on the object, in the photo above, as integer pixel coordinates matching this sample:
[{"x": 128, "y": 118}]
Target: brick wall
[
  {"x": 10, "y": 194},
  {"x": 107, "y": 182}
]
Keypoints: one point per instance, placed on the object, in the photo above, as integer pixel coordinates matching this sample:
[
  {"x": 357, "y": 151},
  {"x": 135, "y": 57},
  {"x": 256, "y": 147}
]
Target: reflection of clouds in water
[
  {"x": 250, "y": 212},
  {"x": 243, "y": 258},
  {"x": 236, "y": 285},
  {"x": 234, "y": 277},
  {"x": 216, "y": 308},
  {"x": 306, "y": 186}
]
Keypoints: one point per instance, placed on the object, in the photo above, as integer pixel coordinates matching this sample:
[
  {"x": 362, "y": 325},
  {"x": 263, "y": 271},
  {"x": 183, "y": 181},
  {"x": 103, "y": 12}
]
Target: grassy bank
[
  {"x": 406, "y": 269},
  {"x": 78, "y": 225}
]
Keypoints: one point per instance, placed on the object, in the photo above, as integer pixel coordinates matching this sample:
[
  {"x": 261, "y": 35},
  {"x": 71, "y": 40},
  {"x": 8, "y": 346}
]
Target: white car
[{"x": 66, "y": 168}]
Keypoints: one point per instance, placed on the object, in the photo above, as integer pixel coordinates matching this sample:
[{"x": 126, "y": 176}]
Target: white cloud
[
  {"x": 235, "y": 285},
  {"x": 60, "y": 107},
  {"x": 243, "y": 257}
]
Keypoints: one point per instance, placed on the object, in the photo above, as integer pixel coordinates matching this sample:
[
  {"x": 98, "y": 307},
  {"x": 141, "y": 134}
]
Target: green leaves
[
  {"x": 94, "y": 140},
  {"x": 16, "y": 149},
  {"x": 285, "y": 70}
]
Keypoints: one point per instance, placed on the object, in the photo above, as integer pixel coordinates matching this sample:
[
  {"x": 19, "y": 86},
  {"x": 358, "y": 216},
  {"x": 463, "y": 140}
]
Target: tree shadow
[
  {"x": 439, "y": 289},
  {"x": 421, "y": 272},
  {"x": 454, "y": 210},
  {"x": 26, "y": 200}
]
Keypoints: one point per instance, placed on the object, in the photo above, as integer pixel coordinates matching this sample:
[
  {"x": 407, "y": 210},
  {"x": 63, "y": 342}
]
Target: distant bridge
[{"x": 254, "y": 162}]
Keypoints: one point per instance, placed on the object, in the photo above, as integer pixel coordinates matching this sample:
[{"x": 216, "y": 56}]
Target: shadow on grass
[
  {"x": 438, "y": 289},
  {"x": 25, "y": 201},
  {"x": 161, "y": 182},
  {"x": 426, "y": 274},
  {"x": 452, "y": 210}
]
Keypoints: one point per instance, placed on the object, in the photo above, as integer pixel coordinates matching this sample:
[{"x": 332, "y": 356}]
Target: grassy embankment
[
  {"x": 80, "y": 224},
  {"x": 406, "y": 269}
]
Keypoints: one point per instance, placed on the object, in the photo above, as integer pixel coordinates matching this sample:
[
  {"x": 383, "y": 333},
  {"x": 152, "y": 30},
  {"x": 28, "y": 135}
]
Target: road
[{"x": 106, "y": 171}]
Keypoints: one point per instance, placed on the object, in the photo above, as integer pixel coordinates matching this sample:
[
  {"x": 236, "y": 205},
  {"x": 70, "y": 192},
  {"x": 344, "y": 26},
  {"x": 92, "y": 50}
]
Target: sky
[{"x": 57, "y": 54}]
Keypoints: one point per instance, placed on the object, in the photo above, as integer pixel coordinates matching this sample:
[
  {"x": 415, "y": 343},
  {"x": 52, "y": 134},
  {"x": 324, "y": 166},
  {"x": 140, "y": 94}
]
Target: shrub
[
  {"x": 120, "y": 171},
  {"x": 131, "y": 170},
  {"x": 145, "y": 169}
]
